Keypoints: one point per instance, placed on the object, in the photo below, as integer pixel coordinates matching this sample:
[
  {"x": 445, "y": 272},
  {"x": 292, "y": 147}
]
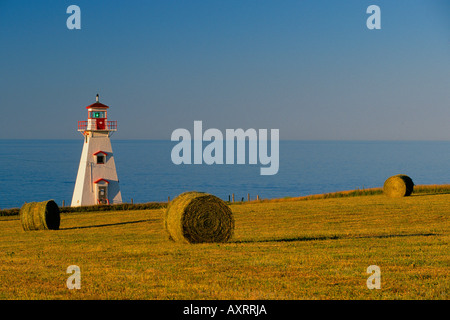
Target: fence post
[
  {"x": 248, "y": 196},
  {"x": 233, "y": 197},
  {"x": 257, "y": 197}
]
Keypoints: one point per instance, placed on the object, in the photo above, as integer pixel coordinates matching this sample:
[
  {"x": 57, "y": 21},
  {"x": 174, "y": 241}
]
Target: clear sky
[{"x": 310, "y": 68}]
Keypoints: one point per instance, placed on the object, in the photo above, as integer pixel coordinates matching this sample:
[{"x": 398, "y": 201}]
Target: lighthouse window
[
  {"x": 100, "y": 159},
  {"x": 94, "y": 114}
]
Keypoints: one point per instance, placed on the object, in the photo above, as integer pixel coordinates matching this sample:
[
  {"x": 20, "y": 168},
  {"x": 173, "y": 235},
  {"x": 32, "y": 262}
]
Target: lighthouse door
[
  {"x": 102, "y": 194},
  {"x": 101, "y": 124}
]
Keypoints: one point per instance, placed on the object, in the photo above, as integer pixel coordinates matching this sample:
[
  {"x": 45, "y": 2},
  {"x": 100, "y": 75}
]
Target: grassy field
[{"x": 293, "y": 249}]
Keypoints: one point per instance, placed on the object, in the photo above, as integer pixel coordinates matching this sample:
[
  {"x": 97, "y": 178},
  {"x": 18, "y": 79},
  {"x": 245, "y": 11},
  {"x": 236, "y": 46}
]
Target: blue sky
[{"x": 309, "y": 68}]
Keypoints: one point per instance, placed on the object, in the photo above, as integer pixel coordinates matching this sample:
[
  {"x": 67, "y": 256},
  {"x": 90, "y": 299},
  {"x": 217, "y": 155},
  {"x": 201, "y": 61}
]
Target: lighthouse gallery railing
[{"x": 110, "y": 126}]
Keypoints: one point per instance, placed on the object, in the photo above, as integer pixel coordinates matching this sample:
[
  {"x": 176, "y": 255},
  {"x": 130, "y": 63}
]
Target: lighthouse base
[{"x": 97, "y": 181}]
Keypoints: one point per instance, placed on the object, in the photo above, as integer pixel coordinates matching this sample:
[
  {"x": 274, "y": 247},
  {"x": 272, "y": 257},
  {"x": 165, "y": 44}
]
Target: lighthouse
[{"x": 97, "y": 181}]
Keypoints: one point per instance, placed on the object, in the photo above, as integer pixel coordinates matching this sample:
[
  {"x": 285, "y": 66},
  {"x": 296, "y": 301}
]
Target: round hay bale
[
  {"x": 398, "y": 186},
  {"x": 40, "y": 216},
  {"x": 195, "y": 217}
]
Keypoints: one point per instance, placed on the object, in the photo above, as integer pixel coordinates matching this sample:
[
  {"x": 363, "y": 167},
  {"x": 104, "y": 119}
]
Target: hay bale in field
[
  {"x": 398, "y": 186},
  {"x": 195, "y": 217},
  {"x": 40, "y": 216}
]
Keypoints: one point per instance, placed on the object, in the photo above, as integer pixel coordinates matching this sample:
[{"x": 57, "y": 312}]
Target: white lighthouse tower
[{"x": 97, "y": 181}]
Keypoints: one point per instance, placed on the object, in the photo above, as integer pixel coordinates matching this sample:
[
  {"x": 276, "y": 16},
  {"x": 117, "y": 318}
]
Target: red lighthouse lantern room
[{"x": 97, "y": 119}]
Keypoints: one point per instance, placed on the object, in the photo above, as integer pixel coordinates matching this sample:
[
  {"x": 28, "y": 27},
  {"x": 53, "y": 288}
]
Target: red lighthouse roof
[{"x": 97, "y": 104}]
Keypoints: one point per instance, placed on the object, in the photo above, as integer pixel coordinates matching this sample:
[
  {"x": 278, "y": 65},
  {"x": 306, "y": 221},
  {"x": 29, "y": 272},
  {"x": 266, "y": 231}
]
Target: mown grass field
[{"x": 303, "y": 249}]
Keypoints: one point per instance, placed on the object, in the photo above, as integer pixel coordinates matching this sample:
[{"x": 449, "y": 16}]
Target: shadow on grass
[
  {"x": 429, "y": 194},
  {"x": 335, "y": 237},
  {"x": 108, "y": 224},
  {"x": 17, "y": 219}
]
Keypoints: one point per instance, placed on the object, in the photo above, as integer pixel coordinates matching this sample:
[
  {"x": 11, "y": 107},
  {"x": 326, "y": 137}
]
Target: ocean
[{"x": 38, "y": 170}]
